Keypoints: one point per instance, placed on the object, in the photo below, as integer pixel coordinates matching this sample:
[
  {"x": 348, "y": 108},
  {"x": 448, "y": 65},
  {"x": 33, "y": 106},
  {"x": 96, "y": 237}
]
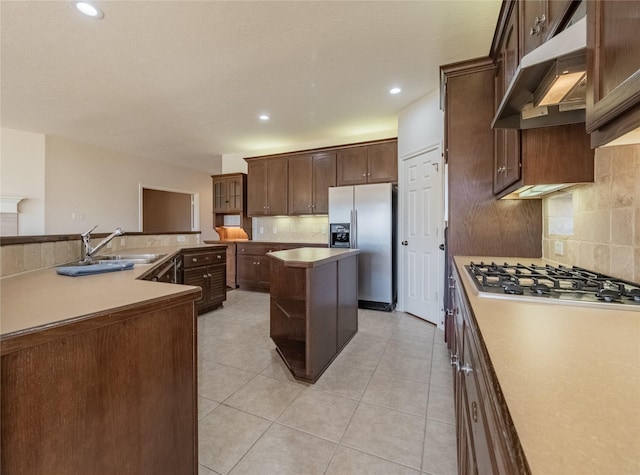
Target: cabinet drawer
[
  {"x": 203, "y": 258},
  {"x": 257, "y": 249}
]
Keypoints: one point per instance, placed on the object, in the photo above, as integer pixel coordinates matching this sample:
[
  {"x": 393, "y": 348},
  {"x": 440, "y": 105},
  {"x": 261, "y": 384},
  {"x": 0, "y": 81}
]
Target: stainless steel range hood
[{"x": 531, "y": 101}]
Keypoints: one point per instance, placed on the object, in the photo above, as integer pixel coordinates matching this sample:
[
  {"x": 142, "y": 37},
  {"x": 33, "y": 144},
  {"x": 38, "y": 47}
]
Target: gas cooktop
[{"x": 567, "y": 284}]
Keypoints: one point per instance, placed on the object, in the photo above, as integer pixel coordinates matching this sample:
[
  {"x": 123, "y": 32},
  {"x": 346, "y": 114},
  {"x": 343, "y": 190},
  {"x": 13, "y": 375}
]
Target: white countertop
[{"x": 570, "y": 376}]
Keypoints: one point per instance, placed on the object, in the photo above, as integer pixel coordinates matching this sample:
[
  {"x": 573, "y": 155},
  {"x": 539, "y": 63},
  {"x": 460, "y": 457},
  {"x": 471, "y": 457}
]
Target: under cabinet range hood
[{"x": 549, "y": 85}]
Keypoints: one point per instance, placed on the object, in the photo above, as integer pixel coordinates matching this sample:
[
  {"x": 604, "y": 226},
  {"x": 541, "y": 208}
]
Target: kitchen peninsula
[
  {"x": 314, "y": 306},
  {"x": 99, "y": 371}
]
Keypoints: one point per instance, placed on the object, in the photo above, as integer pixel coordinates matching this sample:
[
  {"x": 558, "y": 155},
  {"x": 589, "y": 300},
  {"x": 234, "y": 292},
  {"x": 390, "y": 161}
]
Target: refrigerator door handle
[{"x": 353, "y": 241}]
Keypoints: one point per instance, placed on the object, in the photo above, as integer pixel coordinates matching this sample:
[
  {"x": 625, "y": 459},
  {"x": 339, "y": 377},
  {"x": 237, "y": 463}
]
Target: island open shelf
[{"x": 314, "y": 307}]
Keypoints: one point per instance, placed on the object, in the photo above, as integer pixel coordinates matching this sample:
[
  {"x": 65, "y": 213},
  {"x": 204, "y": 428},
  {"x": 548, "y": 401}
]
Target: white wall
[
  {"x": 22, "y": 170},
  {"x": 102, "y": 186},
  {"x": 420, "y": 125}
]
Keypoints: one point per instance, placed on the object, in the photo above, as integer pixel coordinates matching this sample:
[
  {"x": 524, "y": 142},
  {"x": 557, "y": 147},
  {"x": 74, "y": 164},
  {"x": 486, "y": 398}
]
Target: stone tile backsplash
[
  {"x": 19, "y": 258},
  {"x": 312, "y": 229},
  {"x": 605, "y": 215}
]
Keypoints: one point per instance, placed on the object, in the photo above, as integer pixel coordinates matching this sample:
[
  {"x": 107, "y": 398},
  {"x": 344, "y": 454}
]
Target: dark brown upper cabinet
[
  {"x": 613, "y": 69},
  {"x": 230, "y": 198},
  {"x": 541, "y": 19},
  {"x": 310, "y": 177},
  {"x": 545, "y": 156},
  {"x": 229, "y": 193},
  {"x": 507, "y": 153},
  {"x": 375, "y": 163},
  {"x": 267, "y": 186}
]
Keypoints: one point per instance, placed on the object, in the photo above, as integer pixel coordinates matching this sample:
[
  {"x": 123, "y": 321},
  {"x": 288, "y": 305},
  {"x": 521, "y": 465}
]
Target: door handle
[
  {"x": 404, "y": 243},
  {"x": 441, "y": 247}
]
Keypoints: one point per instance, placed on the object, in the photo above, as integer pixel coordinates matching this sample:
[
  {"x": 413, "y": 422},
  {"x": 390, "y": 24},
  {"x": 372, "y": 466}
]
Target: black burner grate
[{"x": 549, "y": 281}]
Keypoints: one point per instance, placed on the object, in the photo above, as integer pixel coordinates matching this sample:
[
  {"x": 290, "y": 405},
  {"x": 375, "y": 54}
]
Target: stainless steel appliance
[
  {"x": 364, "y": 216},
  {"x": 560, "y": 284}
]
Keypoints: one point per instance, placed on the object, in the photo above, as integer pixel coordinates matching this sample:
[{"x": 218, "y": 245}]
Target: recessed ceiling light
[
  {"x": 89, "y": 10},
  {"x": 264, "y": 117},
  {"x": 395, "y": 90}
]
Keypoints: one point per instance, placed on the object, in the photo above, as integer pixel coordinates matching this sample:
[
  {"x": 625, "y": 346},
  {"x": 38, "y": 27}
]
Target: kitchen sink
[
  {"x": 135, "y": 258},
  {"x": 113, "y": 258}
]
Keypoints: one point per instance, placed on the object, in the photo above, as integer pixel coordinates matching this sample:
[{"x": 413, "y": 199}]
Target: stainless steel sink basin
[{"x": 135, "y": 258}]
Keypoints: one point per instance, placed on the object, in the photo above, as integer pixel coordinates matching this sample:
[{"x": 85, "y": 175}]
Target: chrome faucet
[{"x": 88, "y": 250}]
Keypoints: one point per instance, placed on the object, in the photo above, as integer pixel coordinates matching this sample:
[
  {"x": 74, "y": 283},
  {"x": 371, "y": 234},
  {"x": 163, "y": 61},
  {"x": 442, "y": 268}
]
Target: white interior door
[{"x": 421, "y": 234}]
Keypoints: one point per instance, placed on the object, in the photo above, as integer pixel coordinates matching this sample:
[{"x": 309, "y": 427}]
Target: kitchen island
[
  {"x": 99, "y": 372},
  {"x": 314, "y": 306},
  {"x": 548, "y": 387}
]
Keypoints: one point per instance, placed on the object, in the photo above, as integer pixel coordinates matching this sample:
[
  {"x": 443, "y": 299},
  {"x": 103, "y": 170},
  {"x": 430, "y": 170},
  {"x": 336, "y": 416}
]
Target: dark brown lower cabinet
[
  {"x": 207, "y": 270},
  {"x": 313, "y": 312},
  {"x": 114, "y": 393},
  {"x": 253, "y": 265},
  {"x": 487, "y": 443}
]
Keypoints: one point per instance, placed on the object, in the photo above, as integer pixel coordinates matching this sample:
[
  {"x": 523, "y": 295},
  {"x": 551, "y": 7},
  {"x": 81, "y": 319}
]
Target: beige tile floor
[{"x": 384, "y": 406}]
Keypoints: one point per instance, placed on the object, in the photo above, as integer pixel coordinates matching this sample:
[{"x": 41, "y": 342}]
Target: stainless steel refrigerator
[{"x": 364, "y": 217}]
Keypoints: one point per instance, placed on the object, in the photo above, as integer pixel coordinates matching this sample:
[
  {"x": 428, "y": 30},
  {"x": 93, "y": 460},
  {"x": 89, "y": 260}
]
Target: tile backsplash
[
  {"x": 312, "y": 229},
  {"x": 19, "y": 258},
  {"x": 597, "y": 225}
]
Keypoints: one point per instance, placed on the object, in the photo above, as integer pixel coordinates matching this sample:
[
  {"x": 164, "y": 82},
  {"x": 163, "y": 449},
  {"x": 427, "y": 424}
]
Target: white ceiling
[{"x": 185, "y": 81}]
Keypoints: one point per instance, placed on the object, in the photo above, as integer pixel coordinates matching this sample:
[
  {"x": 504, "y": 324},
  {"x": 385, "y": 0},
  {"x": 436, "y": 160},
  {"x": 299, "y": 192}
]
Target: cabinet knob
[
  {"x": 194, "y": 259},
  {"x": 405, "y": 243},
  {"x": 219, "y": 257},
  {"x": 209, "y": 275},
  {"x": 204, "y": 276},
  {"x": 364, "y": 174}
]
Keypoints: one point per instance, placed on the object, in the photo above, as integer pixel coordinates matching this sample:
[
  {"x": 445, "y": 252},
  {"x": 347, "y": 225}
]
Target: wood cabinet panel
[
  {"x": 310, "y": 177},
  {"x": 277, "y": 186},
  {"x": 352, "y": 166},
  {"x": 540, "y": 20},
  {"x": 207, "y": 270},
  {"x": 324, "y": 176},
  {"x": 116, "y": 398},
  {"x": 382, "y": 163},
  {"x": 613, "y": 69},
  {"x": 230, "y": 198},
  {"x": 530, "y": 157},
  {"x": 478, "y": 223},
  {"x": 256, "y": 187},
  {"x": 507, "y": 153},
  {"x": 487, "y": 441},
  {"x": 375, "y": 163},
  {"x": 267, "y": 186},
  {"x": 300, "y": 184},
  {"x": 228, "y": 193},
  {"x": 312, "y": 315}
]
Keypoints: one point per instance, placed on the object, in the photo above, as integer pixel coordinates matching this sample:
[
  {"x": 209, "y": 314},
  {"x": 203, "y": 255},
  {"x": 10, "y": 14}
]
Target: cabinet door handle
[
  {"x": 474, "y": 411},
  {"x": 466, "y": 369},
  {"x": 453, "y": 361}
]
